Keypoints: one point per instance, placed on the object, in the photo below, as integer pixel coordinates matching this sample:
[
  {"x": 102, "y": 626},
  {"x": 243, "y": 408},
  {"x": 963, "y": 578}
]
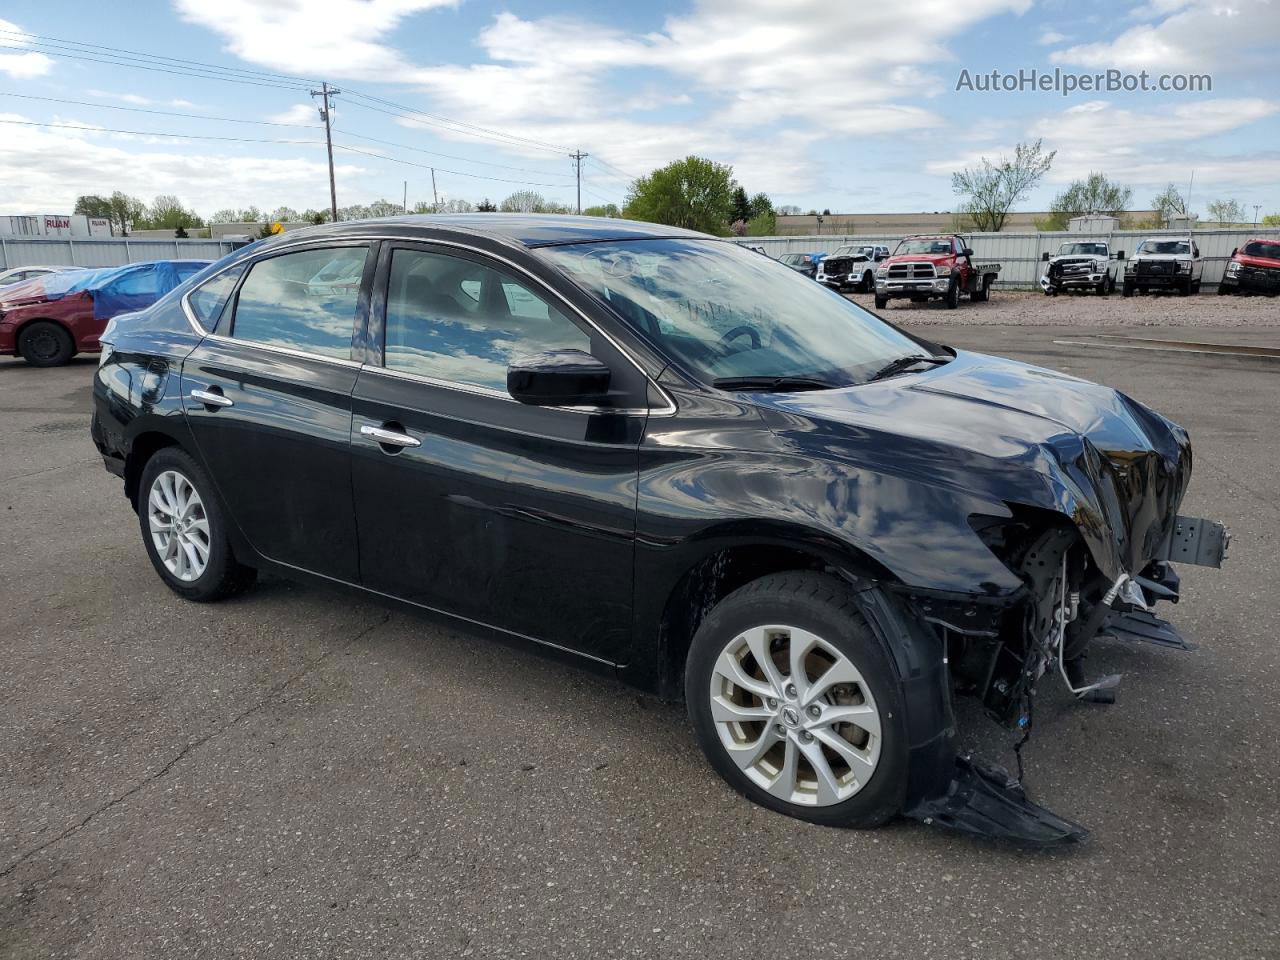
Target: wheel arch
[
  {"x": 142, "y": 448},
  {"x": 61, "y": 324},
  {"x": 727, "y": 560}
]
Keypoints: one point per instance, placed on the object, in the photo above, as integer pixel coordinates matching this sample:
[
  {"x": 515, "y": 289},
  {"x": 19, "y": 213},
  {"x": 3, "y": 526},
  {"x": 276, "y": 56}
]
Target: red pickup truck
[
  {"x": 1254, "y": 268},
  {"x": 934, "y": 268}
]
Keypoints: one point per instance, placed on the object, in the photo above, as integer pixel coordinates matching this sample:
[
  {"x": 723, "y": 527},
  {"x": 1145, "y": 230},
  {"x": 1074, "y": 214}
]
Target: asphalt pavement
[{"x": 296, "y": 774}]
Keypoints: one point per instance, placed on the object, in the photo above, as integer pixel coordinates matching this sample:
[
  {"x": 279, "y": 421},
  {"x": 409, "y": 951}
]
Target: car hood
[
  {"x": 1013, "y": 433},
  {"x": 1162, "y": 256},
  {"x": 1264, "y": 263}
]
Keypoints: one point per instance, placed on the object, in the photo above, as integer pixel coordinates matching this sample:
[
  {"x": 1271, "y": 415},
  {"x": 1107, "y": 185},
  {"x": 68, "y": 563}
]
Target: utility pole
[
  {"x": 1256, "y": 208},
  {"x": 578, "y": 157},
  {"x": 404, "y": 204},
  {"x": 327, "y": 94},
  {"x": 435, "y": 197}
]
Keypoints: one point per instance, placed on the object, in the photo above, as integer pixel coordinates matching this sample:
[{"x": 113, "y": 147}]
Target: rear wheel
[
  {"x": 983, "y": 292},
  {"x": 184, "y": 530},
  {"x": 46, "y": 344},
  {"x": 794, "y": 702}
]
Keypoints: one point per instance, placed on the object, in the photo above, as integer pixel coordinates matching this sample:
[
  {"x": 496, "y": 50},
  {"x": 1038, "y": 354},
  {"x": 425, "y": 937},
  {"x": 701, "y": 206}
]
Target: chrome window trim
[
  {"x": 665, "y": 411},
  {"x": 287, "y": 351}
]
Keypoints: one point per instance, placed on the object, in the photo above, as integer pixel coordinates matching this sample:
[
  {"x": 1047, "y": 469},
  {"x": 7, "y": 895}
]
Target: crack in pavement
[
  {"x": 193, "y": 745},
  {"x": 40, "y": 473}
]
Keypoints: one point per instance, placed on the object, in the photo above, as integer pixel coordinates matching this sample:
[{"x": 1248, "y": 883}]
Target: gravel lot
[
  {"x": 296, "y": 774},
  {"x": 1024, "y": 307}
]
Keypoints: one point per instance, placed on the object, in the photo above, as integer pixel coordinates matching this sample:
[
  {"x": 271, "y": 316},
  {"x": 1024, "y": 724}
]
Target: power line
[
  {"x": 450, "y": 156},
  {"x": 153, "y": 133},
  {"x": 460, "y": 123},
  {"x": 456, "y": 173},
  {"x": 423, "y": 119},
  {"x": 600, "y": 161},
  {"x": 162, "y": 113},
  {"x": 57, "y": 44}
]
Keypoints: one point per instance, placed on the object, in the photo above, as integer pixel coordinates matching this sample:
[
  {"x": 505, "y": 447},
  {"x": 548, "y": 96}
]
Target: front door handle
[
  {"x": 392, "y": 438},
  {"x": 211, "y": 399}
]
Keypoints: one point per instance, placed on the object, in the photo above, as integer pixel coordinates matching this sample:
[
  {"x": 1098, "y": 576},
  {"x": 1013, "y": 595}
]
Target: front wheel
[
  {"x": 881, "y": 302},
  {"x": 46, "y": 344},
  {"x": 953, "y": 294},
  {"x": 1127, "y": 289},
  {"x": 794, "y": 702},
  {"x": 185, "y": 531}
]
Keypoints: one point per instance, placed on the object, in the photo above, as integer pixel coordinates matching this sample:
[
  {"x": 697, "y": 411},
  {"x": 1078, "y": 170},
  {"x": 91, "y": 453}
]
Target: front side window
[
  {"x": 208, "y": 300},
  {"x": 282, "y": 303},
  {"x": 457, "y": 320},
  {"x": 723, "y": 313}
]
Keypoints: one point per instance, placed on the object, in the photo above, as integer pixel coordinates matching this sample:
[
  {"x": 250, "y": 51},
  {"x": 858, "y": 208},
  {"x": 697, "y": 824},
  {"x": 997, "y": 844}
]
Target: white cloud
[
  {"x": 1188, "y": 35},
  {"x": 138, "y": 99},
  {"x": 311, "y": 37},
  {"x": 46, "y": 169},
  {"x": 298, "y": 113},
  {"x": 1145, "y": 148},
  {"x": 20, "y": 66},
  {"x": 1051, "y": 37}
]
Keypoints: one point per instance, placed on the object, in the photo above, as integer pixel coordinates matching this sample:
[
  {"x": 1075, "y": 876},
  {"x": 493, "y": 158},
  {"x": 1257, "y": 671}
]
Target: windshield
[
  {"x": 1082, "y": 250},
  {"x": 721, "y": 312},
  {"x": 794, "y": 259},
  {"x": 1260, "y": 248},
  {"x": 847, "y": 251},
  {"x": 1165, "y": 246},
  {"x": 932, "y": 245}
]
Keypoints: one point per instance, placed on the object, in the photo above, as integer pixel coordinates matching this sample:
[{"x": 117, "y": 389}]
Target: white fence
[
  {"x": 105, "y": 251},
  {"x": 1021, "y": 254}
]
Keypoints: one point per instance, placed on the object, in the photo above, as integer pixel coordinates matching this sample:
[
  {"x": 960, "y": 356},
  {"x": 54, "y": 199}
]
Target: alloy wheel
[
  {"x": 795, "y": 715},
  {"x": 179, "y": 525}
]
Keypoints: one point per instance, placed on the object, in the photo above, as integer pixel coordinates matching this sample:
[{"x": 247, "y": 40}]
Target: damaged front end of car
[{"x": 1095, "y": 572}]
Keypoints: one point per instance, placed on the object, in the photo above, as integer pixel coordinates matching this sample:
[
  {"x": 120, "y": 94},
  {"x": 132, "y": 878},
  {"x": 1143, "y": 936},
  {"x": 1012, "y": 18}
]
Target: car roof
[{"x": 527, "y": 229}]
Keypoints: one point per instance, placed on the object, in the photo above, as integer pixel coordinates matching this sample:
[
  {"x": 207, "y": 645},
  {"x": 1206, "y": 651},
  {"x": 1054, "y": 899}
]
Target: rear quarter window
[{"x": 209, "y": 300}]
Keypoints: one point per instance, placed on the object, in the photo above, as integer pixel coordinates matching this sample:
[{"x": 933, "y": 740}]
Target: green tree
[
  {"x": 604, "y": 210},
  {"x": 1226, "y": 211},
  {"x": 693, "y": 193},
  {"x": 990, "y": 190},
  {"x": 125, "y": 210},
  {"x": 741, "y": 206},
  {"x": 486, "y": 206},
  {"x": 1093, "y": 195},
  {"x": 315, "y": 216},
  {"x": 168, "y": 213},
  {"x": 92, "y": 205},
  {"x": 1271, "y": 220}
]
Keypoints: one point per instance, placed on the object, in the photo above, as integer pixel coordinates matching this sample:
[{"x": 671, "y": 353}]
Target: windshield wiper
[
  {"x": 773, "y": 384},
  {"x": 900, "y": 364}
]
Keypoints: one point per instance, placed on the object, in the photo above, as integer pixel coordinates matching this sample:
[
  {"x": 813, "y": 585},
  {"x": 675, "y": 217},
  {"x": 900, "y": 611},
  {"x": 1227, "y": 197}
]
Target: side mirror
[
  {"x": 1119, "y": 254},
  {"x": 1045, "y": 256},
  {"x": 558, "y": 378},
  {"x": 1234, "y": 251},
  {"x": 968, "y": 251}
]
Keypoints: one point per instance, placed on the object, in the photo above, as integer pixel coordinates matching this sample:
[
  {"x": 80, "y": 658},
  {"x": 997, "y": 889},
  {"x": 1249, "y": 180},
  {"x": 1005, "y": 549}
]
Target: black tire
[
  {"x": 952, "y": 299},
  {"x": 824, "y": 606},
  {"x": 1195, "y": 287},
  {"x": 46, "y": 344},
  {"x": 868, "y": 282},
  {"x": 1223, "y": 290},
  {"x": 983, "y": 293},
  {"x": 1127, "y": 290},
  {"x": 881, "y": 302},
  {"x": 1184, "y": 289},
  {"x": 223, "y": 575},
  {"x": 1110, "y": 286}
]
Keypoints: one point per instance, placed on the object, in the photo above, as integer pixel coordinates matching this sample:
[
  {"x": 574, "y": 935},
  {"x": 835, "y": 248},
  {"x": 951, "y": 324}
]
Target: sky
[{"x": 840, "y": 105}]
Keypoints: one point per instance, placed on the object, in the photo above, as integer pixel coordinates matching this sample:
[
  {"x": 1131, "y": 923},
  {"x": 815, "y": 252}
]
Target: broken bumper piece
[{"x": 984, "y": 802}]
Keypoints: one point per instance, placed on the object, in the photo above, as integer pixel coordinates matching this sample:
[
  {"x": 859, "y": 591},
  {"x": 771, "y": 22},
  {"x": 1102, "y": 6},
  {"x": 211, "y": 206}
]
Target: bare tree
[
  {"x": 1169, "y": 203},
  {"x": 991, "y": 190},
  {"x": 523, "y": 201}
]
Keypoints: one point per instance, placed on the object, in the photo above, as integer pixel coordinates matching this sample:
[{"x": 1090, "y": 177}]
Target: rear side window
[
  {"x": 209, "y": 299},
  {"x": 303, "y": 301}
]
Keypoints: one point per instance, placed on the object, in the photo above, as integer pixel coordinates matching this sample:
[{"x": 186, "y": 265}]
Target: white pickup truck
[
  {"x": 1165, "y": 263},
  {"x": 1082, "y": 265},
  {"x": 852, "y": 265}
]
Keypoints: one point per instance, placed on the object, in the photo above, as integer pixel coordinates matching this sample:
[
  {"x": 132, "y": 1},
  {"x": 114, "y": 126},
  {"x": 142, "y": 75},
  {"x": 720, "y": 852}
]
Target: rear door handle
[
  {"x": 211, "y": 399},
  {"x": 392, "y": 438}
]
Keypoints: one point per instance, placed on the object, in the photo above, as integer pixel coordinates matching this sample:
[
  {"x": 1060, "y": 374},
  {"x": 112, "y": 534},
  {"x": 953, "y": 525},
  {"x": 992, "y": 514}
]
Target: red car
[
  {"x": 50, "y": 319},
  {"x": 1254, "y": 268}
]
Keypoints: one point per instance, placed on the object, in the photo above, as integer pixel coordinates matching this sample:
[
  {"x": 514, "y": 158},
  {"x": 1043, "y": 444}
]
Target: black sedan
[{"x": 670, "y": 459}]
